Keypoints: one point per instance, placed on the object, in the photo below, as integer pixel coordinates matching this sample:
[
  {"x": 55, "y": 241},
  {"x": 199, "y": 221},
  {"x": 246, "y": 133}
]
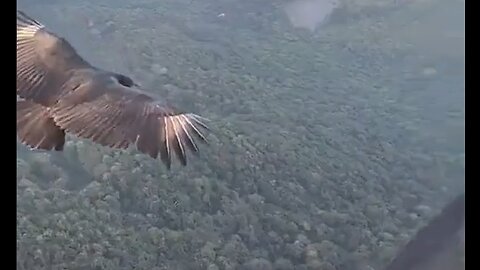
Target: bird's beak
[{"x": 138, "y": 85}]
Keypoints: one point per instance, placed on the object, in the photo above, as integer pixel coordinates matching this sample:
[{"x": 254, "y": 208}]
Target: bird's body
[{"x": 62, "y": 93}]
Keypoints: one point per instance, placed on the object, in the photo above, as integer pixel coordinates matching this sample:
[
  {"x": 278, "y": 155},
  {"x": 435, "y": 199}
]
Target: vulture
[{"x": 59, "y": 93}]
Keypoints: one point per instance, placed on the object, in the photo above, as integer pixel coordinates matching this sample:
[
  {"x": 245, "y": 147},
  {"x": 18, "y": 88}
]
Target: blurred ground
[{"x": 330, "y": 149}]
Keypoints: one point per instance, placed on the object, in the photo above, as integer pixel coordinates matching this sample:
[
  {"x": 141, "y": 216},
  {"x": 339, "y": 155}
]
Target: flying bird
[{"x": 58, "y": 92}]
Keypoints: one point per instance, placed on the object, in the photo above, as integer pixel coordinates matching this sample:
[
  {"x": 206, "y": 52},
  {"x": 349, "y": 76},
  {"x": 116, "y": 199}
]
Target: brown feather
[
  {"x": 94, "y": 104},
  {"x": 40, "y": 76},
  {"x": 36, "y": 128},
  {"x": 136, "y": 119}
]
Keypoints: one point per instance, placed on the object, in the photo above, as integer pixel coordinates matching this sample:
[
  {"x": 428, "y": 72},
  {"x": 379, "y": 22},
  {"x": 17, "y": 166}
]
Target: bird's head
[{"x": 126, "y": 81}]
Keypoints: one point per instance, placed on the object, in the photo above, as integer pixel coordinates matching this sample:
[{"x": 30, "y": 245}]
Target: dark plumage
[{"x": 61, "y": 92}]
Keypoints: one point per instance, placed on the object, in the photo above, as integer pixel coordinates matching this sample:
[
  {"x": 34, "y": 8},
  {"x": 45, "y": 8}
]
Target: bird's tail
[{"x": 36, "y": 128}]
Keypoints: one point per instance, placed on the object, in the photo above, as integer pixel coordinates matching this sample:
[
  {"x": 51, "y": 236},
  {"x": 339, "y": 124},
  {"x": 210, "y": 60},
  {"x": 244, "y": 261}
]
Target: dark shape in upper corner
[{"x": 61, "y": 92}]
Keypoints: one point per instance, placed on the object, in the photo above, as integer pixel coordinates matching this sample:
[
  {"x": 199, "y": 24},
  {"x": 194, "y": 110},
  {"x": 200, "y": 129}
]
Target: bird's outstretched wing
[
  {"x": 113, "y": 115},
  {"x": 78, "y": 98},
  {"x": 44, "y": 61},
  {"x": 36, "y": 128}
]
